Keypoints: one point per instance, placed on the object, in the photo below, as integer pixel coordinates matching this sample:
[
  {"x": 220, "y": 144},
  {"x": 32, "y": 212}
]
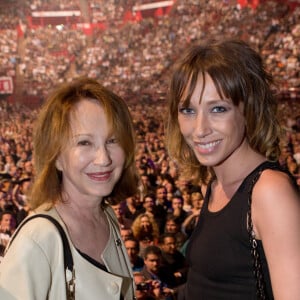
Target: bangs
[
  {"x": 228, "y": 83},
  {"x": 188, "y": 86}
]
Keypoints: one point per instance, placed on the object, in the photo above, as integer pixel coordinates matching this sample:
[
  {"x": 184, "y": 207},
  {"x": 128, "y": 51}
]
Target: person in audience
[
  {"x": 122, "y": 220},
  {"x": 157, "y": 212},
  {"x": 161, "y": 198},
  {"x": 173, "y": 226},
  {"x": 126, "y": 233},
  {"x": 186, "y": 196},
  {"x": 147, "y": 289},
  {"x": 192, "y": 218},
  {"x": 152, "y": 270},
  {"x": 8, "y": 224},
  {"x": 145, "y": 230},
  {"x": 131, "y": 207},
  {"x": 173, "y": 262},
  {"x": 133, "y": 249},
  {"x": 177, "y": 208}
]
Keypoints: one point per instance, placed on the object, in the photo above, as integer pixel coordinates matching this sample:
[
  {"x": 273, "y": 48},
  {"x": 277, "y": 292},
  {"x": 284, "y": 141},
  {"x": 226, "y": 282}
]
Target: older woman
[{"x": 83, "y": 153}]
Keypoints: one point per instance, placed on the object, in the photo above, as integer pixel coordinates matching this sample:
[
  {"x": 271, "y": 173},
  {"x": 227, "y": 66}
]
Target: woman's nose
[
  {"x": 201, "y": 127},
  {"x": 102, "y": 157}
]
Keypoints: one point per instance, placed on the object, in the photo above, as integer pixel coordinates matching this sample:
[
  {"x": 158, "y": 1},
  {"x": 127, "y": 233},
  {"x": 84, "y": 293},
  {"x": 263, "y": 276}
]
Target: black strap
[
  {"x": 68, "y": 259},
  {"x": 257, "y": 267}
]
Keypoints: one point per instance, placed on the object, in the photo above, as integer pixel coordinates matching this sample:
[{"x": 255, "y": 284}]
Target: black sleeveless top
[{"x": 219, "y": 251}]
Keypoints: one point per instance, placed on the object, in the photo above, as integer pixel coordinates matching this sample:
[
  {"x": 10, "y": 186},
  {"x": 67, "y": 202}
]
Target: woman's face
[
  {"x": 197, "y": 203},
  {"x": 92, "y": 160},
  {"x": 213, "y": 128},
  {"x": 145, "y": 222}
]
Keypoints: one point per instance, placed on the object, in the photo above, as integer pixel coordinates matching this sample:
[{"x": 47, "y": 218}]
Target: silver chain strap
[
  {"x": 70, "y": 284},
  {"x": 257, "y": 267}
]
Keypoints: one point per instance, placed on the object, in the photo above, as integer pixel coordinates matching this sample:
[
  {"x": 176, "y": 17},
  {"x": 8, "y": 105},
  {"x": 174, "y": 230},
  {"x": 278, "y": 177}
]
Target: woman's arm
[{"x": 276, "y": 220}]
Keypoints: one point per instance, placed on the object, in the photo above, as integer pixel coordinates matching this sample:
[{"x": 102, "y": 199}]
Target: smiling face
[
  {"x": 212, "y": 126},
  {"x": 92, "y": 160}
]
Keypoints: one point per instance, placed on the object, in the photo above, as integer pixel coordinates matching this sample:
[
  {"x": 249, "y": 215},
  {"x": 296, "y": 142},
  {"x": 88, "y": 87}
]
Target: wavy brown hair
[
  {"x": 239, "y": 74},
  {"x": 138, "y": 231},
  {"x": 52, "y": 130}
]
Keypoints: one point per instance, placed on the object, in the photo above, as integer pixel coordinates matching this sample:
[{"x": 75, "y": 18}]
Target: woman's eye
[
  {"x": 186, "y": 110},
  {"x": 84, "y": 143},
  {"x": 219, "y": 109},
  {"x": 112, "y": 140}
]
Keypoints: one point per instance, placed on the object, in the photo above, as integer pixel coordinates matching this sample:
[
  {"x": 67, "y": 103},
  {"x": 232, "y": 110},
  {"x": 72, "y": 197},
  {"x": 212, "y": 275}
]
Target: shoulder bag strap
[
  {"x": 257, "y": 267},
  {"x": 68, "y": 259}
]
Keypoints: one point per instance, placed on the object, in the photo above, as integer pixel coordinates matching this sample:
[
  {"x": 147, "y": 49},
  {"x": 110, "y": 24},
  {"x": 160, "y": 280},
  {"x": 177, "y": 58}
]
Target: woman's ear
[{"x": 58, "y": 164}]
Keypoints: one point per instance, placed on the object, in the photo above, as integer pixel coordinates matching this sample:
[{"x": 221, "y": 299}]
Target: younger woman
[{"x": 222, "y": 129}]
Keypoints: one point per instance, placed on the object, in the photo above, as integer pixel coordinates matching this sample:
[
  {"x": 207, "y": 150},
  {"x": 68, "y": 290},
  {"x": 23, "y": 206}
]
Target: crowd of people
[
  {"x": 133, "y": 58},
  {"x": 134, "y": 61}
]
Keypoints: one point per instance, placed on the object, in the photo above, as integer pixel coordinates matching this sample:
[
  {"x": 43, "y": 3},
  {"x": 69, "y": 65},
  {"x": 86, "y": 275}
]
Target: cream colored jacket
[{"x": 33, "y": 266}]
